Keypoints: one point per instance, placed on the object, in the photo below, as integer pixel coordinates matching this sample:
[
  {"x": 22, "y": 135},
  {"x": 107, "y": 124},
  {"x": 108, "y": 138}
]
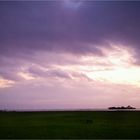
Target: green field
[{"x": 70, "y": 124}]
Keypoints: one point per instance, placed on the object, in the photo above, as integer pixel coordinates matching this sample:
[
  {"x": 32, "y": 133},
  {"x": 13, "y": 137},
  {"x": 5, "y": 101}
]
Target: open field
[{"x": 70, "y": 124}]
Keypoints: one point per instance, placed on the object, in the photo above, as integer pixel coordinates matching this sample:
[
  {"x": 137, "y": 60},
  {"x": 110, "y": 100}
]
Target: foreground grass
[{"x": 70, "y": 124}]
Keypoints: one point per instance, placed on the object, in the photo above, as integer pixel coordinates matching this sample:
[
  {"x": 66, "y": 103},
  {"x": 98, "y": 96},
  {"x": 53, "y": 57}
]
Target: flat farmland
[{"x": 70, "y": 124}]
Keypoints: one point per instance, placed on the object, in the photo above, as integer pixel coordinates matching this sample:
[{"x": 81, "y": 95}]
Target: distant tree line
[{"x": 122, "y": 107}]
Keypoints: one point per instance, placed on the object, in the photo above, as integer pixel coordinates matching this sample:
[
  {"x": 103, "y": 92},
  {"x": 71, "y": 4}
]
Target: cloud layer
[
  {"x": 28, "y": 26},
  {"x": 66, "y": 46}
]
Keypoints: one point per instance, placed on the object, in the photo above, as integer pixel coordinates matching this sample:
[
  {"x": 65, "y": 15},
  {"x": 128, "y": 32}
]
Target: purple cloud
[
  {"x": 30, "y": 26},
  {"x": 67, "y": 40}
]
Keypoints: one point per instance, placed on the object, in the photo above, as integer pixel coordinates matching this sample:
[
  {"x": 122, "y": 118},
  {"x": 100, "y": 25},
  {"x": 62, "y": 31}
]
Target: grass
[{"x": 70, "y": 124}]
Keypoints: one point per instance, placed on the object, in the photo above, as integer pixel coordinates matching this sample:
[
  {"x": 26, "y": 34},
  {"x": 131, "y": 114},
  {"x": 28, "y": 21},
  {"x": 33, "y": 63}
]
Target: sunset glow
[
  {"x": 5, "y": 83},
  {"x": 69, "y": 54}
]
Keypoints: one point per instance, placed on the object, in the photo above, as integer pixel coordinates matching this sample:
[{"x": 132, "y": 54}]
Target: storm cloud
[{"x": 51, "y": 26}]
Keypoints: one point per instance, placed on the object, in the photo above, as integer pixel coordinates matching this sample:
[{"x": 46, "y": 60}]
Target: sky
[{"x": 69, "y": 54}]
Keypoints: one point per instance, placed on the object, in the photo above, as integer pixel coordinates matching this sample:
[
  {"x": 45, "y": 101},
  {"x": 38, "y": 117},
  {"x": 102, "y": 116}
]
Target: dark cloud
[
  {"x": 53, "y": 73},
  {"x": 56, "y": 73},
  {"x": 31, "y": 26}
]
